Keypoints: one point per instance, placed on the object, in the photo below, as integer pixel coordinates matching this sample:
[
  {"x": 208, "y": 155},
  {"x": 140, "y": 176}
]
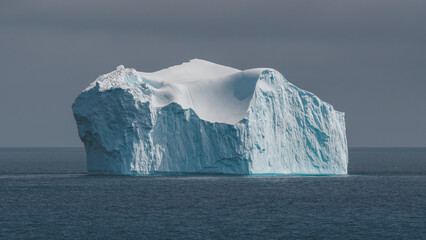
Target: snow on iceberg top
[{"x": 215, "y": 92}]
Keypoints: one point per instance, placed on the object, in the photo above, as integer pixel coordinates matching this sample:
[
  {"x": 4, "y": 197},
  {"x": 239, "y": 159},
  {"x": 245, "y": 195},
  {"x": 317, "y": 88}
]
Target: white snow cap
[
  {"x": 120, "y": 67},
  {"x": 215, "y": 92}
]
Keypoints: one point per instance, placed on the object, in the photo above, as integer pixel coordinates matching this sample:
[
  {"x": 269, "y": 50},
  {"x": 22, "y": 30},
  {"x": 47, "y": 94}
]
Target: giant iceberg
[{"x": 201, "y": 117}]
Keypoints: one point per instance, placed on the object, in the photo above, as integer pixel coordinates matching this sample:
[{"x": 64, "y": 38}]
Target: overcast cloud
[{"x": 367, "y": 58}]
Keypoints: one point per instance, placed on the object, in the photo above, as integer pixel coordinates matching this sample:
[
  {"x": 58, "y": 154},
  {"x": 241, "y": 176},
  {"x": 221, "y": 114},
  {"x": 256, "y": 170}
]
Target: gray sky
[{"x": 366, "y": 58}]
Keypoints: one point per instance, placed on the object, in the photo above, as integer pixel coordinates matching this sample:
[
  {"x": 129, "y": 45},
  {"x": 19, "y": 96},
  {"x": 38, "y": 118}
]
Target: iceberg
[{"x": 202, "y": 117}]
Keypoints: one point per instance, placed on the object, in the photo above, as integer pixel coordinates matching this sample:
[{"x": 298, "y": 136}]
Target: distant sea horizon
[{"x": 362, "y": 160}]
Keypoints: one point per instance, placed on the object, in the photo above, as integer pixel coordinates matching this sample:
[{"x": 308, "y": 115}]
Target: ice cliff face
[{"x": 200, "y": 117}]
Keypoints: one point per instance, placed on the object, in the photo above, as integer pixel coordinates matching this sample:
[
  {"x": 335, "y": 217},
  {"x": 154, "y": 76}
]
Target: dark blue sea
[{"x": 45, "y": 193}]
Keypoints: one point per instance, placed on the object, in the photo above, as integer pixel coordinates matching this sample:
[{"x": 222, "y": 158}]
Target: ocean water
[{"x": 45, "y": 193}]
